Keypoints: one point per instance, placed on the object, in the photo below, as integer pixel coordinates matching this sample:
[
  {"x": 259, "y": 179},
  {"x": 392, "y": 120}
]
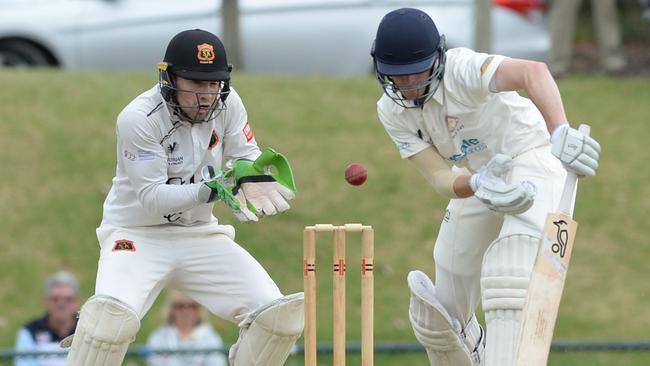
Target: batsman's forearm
[
  {"x": 435, "y": 170},
  {"x": 538, "y": 83},
  {"x": 545, "y": 94}
]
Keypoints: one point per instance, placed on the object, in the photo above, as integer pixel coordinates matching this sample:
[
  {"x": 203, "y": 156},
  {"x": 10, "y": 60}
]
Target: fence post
[
  {"x": 483, "y": 26},
  {"x": 231, "y": 36}
]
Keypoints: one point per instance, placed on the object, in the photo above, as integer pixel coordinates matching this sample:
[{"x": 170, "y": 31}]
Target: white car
[{"x": 330, "y": 37}]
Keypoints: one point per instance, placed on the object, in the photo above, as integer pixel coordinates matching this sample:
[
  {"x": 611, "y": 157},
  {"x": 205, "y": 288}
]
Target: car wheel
[{"x": 19, "y": 53}]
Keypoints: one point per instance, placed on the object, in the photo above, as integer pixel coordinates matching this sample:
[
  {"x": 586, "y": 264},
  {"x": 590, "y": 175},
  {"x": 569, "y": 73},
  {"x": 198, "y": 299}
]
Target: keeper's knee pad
[
  {"x": 105, "y": 329},
  {"x": 505, "y": 274},
  {"x": 268, "y": 334}
]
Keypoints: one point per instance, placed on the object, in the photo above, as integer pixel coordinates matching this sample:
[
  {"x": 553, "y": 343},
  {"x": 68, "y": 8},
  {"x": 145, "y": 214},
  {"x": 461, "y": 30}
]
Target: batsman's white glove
[
  {"x": 266, "y": 197},
  {"x": 578, "y": 152},
  {"x": 490, "y": 187}
]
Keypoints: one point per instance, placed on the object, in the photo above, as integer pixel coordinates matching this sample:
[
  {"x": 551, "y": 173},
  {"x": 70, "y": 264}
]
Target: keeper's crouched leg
[
  {"x": 269, "y": 333},
  {"x": 105, "y": 329},
  {"x": 446, "y": 340},
  {"x": 505, "y": 275}
]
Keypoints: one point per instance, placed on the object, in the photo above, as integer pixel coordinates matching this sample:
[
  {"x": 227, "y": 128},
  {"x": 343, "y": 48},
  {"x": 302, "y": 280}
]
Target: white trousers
[
  {"x": 203, "y": 261},
  {"x": 469, "y": 227}
]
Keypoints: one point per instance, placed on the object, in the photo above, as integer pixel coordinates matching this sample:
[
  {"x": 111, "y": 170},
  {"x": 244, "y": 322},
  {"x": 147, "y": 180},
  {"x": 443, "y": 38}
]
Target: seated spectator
[
  {"x": 186, "y": 328},
  {"x": 59, "y": 321}
]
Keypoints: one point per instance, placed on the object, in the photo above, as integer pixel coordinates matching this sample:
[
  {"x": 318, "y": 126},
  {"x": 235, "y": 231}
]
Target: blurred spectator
[
  {"x": 59, "y": 321},
  {"x": 562, "y": 22},
  {"x": 186, "y": 328}
]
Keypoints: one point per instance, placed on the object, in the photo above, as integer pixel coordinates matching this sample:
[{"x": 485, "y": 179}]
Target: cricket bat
[{"x": 547, "y": 279}]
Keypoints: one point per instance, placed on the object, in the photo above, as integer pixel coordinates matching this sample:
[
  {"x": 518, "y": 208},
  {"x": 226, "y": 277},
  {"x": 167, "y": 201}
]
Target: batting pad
[
  {"x": 268, "y": 334},
  {"x": 447, "y": 343},
  {"x": 106, "y": 328},
  {"x": 507, "y": 265}
]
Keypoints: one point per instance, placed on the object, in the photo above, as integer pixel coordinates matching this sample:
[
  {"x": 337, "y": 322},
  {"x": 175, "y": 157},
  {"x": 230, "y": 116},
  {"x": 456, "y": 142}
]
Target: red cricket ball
[{"x": 356, "y": 174}]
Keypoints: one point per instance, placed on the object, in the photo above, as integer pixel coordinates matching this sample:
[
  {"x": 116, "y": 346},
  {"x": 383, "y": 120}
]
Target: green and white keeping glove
[
  {"x": 266, "y": 184},
  {"x": 216, "y": 188}
]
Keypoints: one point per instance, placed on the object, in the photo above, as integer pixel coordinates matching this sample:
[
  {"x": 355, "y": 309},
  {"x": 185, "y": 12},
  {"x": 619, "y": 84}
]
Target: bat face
[
  {"x": 545, "y": 289},
  {"x": 548, "y": 276}
]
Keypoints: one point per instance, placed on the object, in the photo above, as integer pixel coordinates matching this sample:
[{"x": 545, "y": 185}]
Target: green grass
[{"x": 57, "y": 138}]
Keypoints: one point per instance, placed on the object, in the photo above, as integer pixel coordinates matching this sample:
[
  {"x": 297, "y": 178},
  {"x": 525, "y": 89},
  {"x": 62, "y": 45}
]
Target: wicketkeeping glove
[
  {"x": 215, "y": 188},
  {"x": 490, "y": 187},
  {"x": 266, "y": 192},
  {"x": 578, "y": 152}
]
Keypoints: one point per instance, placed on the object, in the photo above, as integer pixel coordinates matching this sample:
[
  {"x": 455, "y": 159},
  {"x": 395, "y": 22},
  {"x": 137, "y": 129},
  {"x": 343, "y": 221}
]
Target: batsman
[
  {"x": 158, "y": 229},
  {"x": 499, "y": 157}
]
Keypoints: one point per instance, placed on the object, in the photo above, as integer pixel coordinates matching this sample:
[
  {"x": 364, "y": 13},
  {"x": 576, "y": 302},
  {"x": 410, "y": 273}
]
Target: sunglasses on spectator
[
  {"x": 191, "y": 305},
  {"x": 66, "y": 299}
]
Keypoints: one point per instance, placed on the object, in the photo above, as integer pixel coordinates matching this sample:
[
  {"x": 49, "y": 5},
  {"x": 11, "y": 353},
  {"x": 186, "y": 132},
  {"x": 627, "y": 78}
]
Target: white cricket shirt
[
  {"x": 466, "y": 122},
  {"x": 159, "y": 161}
]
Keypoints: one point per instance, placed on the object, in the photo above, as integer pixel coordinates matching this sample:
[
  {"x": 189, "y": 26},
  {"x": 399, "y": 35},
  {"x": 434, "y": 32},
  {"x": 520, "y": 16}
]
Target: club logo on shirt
[
  {"x": 467, "y": 148},
  {"x": 453, "y": 126},
  {"x": 214, "y": 140},
  {"x": 248, "y": 132},
  {"x": 205, "y": 54},
  {"x": 129, "y": 155},
  {"x": 124, "y": 245}
]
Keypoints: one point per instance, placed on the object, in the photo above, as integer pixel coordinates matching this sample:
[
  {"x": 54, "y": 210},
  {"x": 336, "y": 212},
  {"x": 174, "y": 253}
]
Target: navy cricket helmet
[
  {"x": 194, "y": 55},
  {"x": 407, "y": 43}
]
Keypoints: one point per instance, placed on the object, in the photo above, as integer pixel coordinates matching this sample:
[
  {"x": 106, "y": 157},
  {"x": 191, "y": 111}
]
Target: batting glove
[
  {"x": 577, "y": 151},
  {"x": 490, "y": 187}
]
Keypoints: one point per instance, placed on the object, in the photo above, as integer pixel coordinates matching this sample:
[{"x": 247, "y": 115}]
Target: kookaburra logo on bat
[{"x": 562, "y": 238}]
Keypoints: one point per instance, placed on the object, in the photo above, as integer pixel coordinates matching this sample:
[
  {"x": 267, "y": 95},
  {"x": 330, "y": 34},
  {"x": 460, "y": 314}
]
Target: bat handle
[{"x": 567, "y": 202}]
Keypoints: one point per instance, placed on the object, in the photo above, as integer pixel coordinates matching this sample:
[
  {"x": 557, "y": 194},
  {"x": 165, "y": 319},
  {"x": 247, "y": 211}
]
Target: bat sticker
[{"x": 562, "y": 238}]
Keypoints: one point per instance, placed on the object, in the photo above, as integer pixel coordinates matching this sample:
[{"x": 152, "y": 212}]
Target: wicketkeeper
[
  {"x": 461, "y": 108},
  {"x": 158, "y": 229}
]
